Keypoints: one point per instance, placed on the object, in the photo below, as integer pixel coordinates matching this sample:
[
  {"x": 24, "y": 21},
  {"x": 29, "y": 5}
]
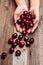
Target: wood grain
[{"x": 7, "y": 28}]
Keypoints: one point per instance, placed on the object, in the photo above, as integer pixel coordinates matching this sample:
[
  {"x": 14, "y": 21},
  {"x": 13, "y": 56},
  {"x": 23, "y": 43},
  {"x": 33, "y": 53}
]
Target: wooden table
[{"x": 7, "y": 29}]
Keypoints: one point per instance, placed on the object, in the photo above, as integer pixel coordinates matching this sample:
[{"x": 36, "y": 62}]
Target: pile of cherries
[
  {"x": 18, "y": 40},
  {"x": 26, "y": 20}
]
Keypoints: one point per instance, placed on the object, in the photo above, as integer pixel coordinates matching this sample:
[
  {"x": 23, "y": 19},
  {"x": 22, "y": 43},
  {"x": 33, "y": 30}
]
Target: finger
[
  {"x": 20, "y": 29},
  {"x": 17, "y": 27},
  {"x": 15, "y": 17},
  {"x": 35, "y": 21},
  {"x": 28, "y": 31},
  {"x": 34, "y": 28}
]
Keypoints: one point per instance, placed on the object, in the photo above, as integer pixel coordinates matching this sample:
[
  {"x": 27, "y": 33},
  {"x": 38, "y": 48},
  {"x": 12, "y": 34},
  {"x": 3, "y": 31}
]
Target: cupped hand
[
  {"x": 19, "y": 10},
  {"x": 36, "y": 21}
]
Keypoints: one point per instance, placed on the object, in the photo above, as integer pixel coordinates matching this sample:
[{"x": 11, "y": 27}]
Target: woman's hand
[
  {"x": 36, "y": 21},
  {"x": 19, "y": 10}
]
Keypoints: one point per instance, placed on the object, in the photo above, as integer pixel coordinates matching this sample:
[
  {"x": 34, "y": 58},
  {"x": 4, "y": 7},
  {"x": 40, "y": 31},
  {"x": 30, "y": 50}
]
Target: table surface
[{"x": 7, "y": 8}]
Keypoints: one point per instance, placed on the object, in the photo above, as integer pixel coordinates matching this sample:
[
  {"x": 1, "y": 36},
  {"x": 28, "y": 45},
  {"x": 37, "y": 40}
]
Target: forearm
[
  {"x": 35, "y": 3},
  {"x": 20, "y": 2}
]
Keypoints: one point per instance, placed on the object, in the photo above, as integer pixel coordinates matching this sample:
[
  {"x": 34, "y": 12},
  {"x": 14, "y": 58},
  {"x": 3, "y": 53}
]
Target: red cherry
[
  {"x": 17, "y": 41},
  {"x": 31, "y": 25},
  {"x": 24, "y": 20},
  {"x": 31, "y": 40},
  {"x": 27, "y": 44},
  {"x": 19, "y": 21},
  {"x": 11, "y": 50},
  {"x": 10, "y": 41},
  {"x": 21, "y": 45},
  {"x": 20, "y": 37},
  {"x": 22, "y": 25},
  {"x": 25, "y": 13},
  {"x": 26, "y": 38},
  {"x": 29, "y": 13},
  {"x": 14, "y": 44},
  {"x": 33, "y": 17},
  {"x": 14, "y": 35},
  {"x": 22, "y": 17},
  {"x": 18, "y": 53},
  {"x": 27, "y": 23},
  {"x": 24, "y": 32},
  {"x": 3, "y": 55},
  {"x": 27, "y": 27}
]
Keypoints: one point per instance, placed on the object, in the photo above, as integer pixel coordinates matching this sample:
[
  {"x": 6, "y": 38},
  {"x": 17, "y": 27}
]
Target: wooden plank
[{"x": 6, "y": 29}]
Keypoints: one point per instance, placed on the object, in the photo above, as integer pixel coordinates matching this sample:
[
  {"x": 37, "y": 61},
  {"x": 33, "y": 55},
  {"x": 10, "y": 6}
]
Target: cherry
[
  {"x": 28, "y": 17},
  {"x": 26, "y": 38},
  {"x": 31, "y": 25},
  {"x": 24, "y": 32},
  {"x": 24, "y": 20},
  {"x": 14, "y": 35},
  {"x": 27, "y": 27},
  {"x": 33, "y": 17},
  {"x": 21, "y": 45},
  {"x": 20, "y": 37},
  {"x": 10, "y": 41},
  {"x": 31, "y": 40},
  {"x": 11, "y": 50},
  {"x": 27, "y": 23},
  {"x": 22, "y": 17},
  {"x": 22, "y": 25},
  {"x": 25, "y": 13},
  {"x": 14, "y": 44},
  {"x": 27, "y": 44},
  {"x": 17, "y": 41},
  {"x": 29, "y": 13},
  {"x": 3, "y": 55},
  {"x": 19, "y": 21},
  {"x": 18, "y": 53}
]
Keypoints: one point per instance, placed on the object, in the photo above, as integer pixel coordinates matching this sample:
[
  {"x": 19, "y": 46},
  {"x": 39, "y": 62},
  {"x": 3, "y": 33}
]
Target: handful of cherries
[{"x": 26, "y": 20}]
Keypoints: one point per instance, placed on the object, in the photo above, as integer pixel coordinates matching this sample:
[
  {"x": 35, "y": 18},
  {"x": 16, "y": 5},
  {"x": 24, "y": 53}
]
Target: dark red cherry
[
  {"x": 17, "y": 41},
  {"x": 18, "y": 53},
  {"x": 14, "y": 35},
  {"x": 26, "y": 38},
  {"x": 24, "y": 20},
  {"x": 29, "y": 13},
  {"x": 27, "y": 23},
  {"x": 22, "y": 25},
  {"x": 11, "y": 50},
  {"x": 33, "y": 17},
  {"x": 25, "y": 13},
  {"x": 29, "y": 17},
  {"x": 24, "y": 32},
  {"x": 3, "y": 55},
  {"x": 20, "y": 37},
  {"x": 27, "y": 27},
  {"x": 22, "y": 17},
  {"x": 19, "y": 21},
  {"x": 10, "y": 41},
  {"x": 31, "y": 40},
  {"x": 21, "y": 45},
  {"x": 14, "y": 44},
  {"x": 27, "y": 44},
  {"x": 31, "y": 25}
]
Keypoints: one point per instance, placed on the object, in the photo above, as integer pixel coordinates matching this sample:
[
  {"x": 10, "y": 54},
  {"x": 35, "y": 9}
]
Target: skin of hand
[
  {"x": 36, "y": 21},
  {"x": 19, "y": 10},
  {"x": 34, "y": 8}
]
